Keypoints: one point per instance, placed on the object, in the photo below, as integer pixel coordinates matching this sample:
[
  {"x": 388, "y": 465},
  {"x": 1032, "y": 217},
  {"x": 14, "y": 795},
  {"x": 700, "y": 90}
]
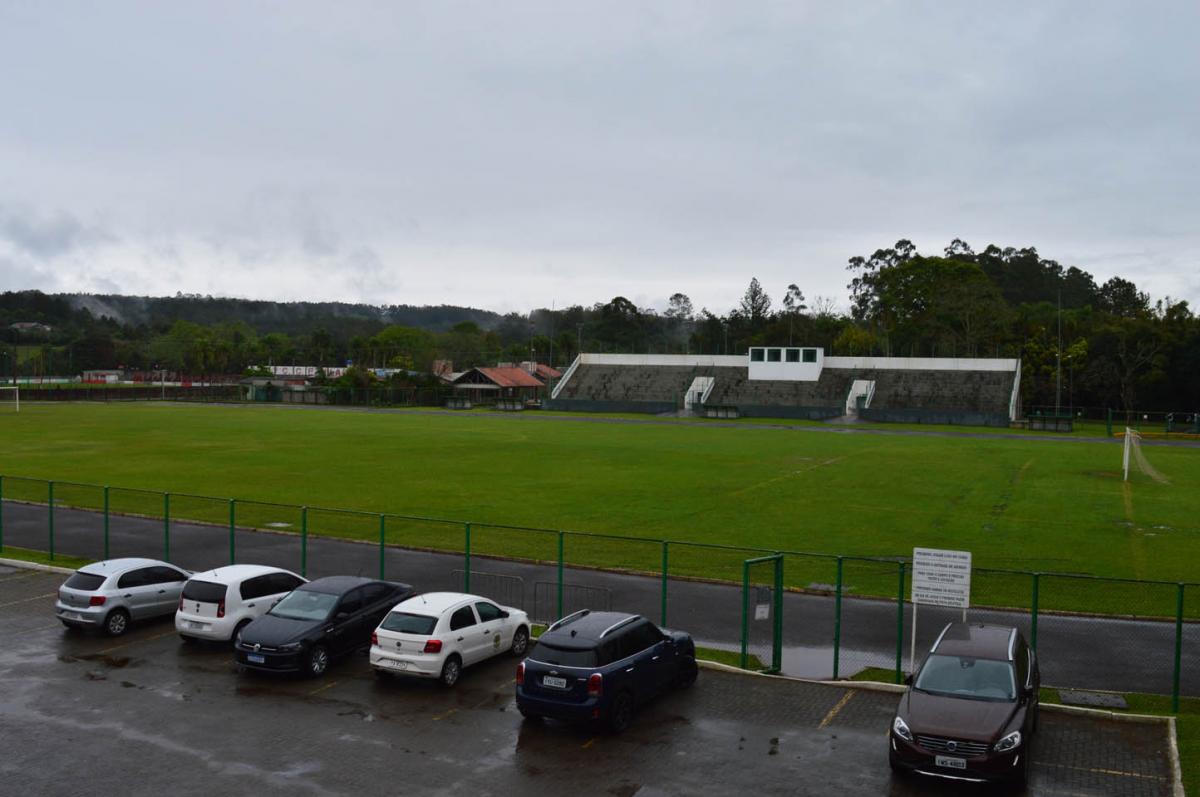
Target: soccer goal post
[
  {"x": 1133, "y": 456},
  {"x": 10, "y": 395}
]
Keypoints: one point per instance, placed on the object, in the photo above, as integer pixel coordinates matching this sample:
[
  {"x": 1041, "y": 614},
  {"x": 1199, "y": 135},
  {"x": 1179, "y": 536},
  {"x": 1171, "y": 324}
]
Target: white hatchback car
[
  {"x": 216, "y": 604},
  {"x": 437, "y": 634}
]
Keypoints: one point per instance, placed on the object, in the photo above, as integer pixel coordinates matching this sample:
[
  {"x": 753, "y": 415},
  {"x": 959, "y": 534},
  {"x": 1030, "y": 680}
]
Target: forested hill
[{"x": 292, "y": 318}]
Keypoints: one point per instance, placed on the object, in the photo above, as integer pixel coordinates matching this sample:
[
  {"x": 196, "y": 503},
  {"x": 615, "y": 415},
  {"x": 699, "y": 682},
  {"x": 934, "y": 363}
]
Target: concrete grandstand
[{"x": 796, "y": 382}]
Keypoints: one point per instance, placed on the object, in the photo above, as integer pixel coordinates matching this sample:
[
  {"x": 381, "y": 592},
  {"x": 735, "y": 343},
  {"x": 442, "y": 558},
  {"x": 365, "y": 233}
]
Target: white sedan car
[{"x": 437, "y": 634}]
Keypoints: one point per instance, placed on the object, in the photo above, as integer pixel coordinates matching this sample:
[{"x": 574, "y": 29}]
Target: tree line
[{"x": 1112, "y": 345}]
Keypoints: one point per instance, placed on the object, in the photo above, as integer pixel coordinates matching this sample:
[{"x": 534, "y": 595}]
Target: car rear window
[
  {"x": 567, "y": 657},
  {"x": 84, "y": 581},
  {"x": 405, "y": 623},
  {"x": 204, "y": 591}
]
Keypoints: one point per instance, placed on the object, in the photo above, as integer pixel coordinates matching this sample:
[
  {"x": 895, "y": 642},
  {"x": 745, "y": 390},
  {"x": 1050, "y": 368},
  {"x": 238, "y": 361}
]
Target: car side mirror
[{"x": 908, "y": 680}]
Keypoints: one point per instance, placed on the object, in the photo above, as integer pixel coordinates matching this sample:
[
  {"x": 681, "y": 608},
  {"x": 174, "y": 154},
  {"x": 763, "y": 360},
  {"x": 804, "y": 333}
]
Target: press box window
[
  {"x": 773, "y": 355},
  {"x": 756, "y": 355},
  {"x": 793, "y": 355},
  {"x": 810, "y": 355}
]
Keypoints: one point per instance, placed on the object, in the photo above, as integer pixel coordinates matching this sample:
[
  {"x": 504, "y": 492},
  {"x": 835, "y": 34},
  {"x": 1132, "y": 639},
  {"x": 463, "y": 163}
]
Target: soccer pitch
[{"x": 1019, "y": 504}]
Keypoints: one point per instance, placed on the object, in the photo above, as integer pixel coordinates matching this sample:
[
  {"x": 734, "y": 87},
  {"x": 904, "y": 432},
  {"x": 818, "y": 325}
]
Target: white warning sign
[{"x": 941, "y": 578}]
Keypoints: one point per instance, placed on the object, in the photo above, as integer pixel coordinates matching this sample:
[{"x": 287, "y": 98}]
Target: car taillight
[
  {"x": 221, "y": 609},
  {"x": 433, "y": 646},
  {"x": 375, "y": 639},
  {"x": 96, "y": 600},
  {"x": 180, "y": 603},
  {"x": 595, "y": 684},
  {"x": 520, "y": 673}
]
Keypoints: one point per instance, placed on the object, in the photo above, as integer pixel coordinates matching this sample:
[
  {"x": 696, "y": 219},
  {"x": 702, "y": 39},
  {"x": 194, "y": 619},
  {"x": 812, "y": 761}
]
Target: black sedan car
[{"x": 316, "y": 623}]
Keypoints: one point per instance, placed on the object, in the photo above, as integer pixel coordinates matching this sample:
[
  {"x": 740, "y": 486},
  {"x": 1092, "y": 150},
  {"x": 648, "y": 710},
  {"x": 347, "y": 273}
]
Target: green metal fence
[{"x": 852, "y": 611}]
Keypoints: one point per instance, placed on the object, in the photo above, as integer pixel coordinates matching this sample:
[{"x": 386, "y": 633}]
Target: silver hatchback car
[{"x": 109, "y": 595}]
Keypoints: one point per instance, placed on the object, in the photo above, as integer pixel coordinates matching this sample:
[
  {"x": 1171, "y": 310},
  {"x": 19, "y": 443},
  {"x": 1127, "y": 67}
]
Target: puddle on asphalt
[{"x": 108, "y": 661}]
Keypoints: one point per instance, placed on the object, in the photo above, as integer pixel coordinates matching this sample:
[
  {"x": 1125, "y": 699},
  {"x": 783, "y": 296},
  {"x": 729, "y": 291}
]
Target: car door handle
[
  {"x": 161, "y": 591},
  {"x": 127, "y": 595},
  {"x": 654, "y": 658},
  {"x": 249, "y": 605},
  {"x": 460, "y": 639}
]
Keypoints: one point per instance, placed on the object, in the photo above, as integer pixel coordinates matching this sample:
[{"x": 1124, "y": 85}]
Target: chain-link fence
[{"x": 826, "y": 616}]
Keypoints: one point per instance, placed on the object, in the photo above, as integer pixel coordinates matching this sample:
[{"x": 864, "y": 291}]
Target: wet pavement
[{"x": 146, "y": 714}]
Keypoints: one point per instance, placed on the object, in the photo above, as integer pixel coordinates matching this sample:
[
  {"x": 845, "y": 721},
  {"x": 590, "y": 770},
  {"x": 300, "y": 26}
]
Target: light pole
[{"x": 579, "y": 345}]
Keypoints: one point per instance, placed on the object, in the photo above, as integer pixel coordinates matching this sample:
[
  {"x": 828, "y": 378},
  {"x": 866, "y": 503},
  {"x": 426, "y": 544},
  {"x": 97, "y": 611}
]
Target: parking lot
[{"x": 145, "y": 714}]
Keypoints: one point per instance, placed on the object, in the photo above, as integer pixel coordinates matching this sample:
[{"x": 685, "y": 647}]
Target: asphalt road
[
  {"x": 1078, "y": 652},
  {"x": 147, "y": 715}
]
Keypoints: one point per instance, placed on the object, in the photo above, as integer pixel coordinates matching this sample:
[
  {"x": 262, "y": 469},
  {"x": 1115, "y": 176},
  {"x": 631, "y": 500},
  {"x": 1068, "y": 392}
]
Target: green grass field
[{"x": 1016, "y": 504}]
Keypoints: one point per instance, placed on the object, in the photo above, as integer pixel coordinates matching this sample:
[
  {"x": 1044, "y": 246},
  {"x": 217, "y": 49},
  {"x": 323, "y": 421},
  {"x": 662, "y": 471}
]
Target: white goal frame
[
  {"x": 1133, "y": 451},
  {"x": 16, "y": 391}
]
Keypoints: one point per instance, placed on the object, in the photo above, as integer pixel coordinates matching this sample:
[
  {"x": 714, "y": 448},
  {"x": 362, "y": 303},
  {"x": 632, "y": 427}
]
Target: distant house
[
  {"x": 30, "y": 328},
  {"x": 485, "y": 384}
]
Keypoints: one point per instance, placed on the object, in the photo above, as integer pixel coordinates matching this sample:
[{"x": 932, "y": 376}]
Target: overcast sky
[{"x": 515, "y": 155}]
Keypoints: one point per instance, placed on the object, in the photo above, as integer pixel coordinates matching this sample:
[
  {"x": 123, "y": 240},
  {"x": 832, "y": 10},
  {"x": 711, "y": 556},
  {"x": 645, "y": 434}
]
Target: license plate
[
  {"x": 397, "y": 665},
  {"x": 950, "y": 762},
  {"x": 72, "y": 616},
  {"x": 254, "y": 658},
  {"x": 554, "y": 681},
  {"x": 196, "y": 626}
]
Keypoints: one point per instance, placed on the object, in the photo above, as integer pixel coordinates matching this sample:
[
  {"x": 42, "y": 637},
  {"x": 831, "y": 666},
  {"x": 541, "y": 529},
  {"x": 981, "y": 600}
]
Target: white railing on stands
[
  {"x": 566, "y": 376},
  {"x": 1016, "y": 394},
  {"x": 708, "y": 390}
]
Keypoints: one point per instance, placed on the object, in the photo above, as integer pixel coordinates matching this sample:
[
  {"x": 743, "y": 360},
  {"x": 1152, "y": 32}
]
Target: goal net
[
  {"x": 1134, "y": 457},
  {"x": 10, "y": 398}
]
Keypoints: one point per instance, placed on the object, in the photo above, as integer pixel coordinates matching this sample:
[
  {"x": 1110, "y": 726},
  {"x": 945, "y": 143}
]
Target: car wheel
[
  {"x": 621, "y": 713},
  {"x": 117, "y": 622},
  {"x": 318, "y": 660},
  {"x": 520, "y": 642},
  {"x": 451, "y": 670},
  {"x": 687, "y": 674}
]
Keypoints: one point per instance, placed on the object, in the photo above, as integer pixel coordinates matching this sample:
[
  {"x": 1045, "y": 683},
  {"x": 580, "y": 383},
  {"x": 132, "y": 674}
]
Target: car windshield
[
  {"x": 85, "y": 582},
  {"x": 305, "y": 604},
  {"x": 404, "y": 623},
  {"x": 204, "y": 591},
  {"x": 565, "y": 657},
  {"x": 963, "y": 676}
]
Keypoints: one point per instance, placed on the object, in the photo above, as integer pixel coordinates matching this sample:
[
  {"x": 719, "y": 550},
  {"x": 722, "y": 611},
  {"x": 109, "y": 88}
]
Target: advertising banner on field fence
[{"x": 941, "y": 578}]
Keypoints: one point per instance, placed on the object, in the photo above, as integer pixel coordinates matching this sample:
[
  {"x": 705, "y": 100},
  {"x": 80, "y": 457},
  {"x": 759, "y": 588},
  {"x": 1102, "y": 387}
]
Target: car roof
[
  {"x": 438, "y": 602},
  {"x": 977, "y": 640},
  {"x": 113, "y": 567},
  {"x": 336, "y": 585},
  {"x": 233, "y": 574},
  {"x": 585, "y": 628}
]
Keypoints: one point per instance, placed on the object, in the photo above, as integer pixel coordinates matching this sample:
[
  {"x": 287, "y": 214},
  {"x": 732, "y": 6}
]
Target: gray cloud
[{"x": 517, "y": 155}]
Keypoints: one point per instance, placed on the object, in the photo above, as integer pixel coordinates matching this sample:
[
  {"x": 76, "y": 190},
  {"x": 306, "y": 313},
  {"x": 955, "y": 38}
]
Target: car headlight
[
  {"x": 291, "y": 647},
  {"x": 1009, "y": 742},
  {"x": 900, "y": 727}
]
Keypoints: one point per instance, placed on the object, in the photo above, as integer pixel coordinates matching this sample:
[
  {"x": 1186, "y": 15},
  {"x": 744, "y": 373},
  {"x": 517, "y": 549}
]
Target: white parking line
[{"x": 27, "y": 600}]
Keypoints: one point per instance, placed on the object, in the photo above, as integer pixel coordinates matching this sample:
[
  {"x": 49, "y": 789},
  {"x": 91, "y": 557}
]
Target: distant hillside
[{"x": 293, "y": 318}]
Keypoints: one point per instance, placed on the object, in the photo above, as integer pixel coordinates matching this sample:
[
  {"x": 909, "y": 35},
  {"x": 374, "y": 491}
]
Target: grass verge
[{"x": 41, "y": 557}]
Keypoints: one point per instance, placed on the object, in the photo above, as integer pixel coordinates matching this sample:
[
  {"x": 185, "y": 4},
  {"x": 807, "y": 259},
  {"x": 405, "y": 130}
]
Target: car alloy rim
[
  {"x": 451, "y": 672},
  {"x": 116, "y": 623},
  {"x": 522, "y": 641},
  {"x": 319, "y": 661}
]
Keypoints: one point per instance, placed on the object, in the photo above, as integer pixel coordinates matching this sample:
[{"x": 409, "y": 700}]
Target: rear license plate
[
  {"x": 950, "y": 762},
  {"x": 254, "y": 658},
  {"x": 554, "y": 681},
  {"x": 397, "y": 665},
  {"x": 196, "y": 626},
  {"x": 72, "y": 616}
]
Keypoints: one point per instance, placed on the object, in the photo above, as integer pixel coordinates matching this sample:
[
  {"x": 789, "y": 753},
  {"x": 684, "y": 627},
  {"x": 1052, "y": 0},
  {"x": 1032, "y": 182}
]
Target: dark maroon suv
[{"x": 971, "y": 710}]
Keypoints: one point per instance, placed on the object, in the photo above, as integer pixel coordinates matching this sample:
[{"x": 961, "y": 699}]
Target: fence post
[
  {"x": 106, "y": 521},
  {"x": 50, "y": 516},
  {"x": 837, "y": 619},
  {"x": 382, "y": 538},
  {"x": 166, "y": 527},
  {"x": 560, "y": 574},
  {"x": 232, "y": 530},
  {"x": 1, "y": 512},
  {"x": 1109, "y": 423},
  {"x": 777, "y": 648},
  {"x": 304, "y": 541},
  {"x": 665, "y": 559},
  {"x": 1178, "y": 649},
  {"x": 1034, "y": 613},
  {"x": 745, "y": 610},
  {"x": 467, "y": 557},
  {"x": 900, "y": 627}
]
